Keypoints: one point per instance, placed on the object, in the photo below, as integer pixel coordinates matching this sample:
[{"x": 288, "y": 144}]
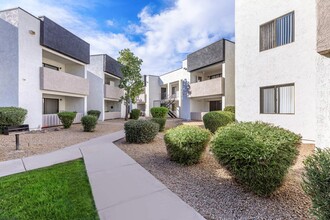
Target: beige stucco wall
[{"x": 323, "y": 26}]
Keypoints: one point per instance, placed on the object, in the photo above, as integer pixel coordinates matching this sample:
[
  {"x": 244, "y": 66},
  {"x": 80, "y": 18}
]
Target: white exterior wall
[
  {"x": 229, "y": 75},
  {"x": 8, "y": 64},
  {"x": 291, "y": 63},
  {"x": 30, "y": 61},
  {"x": 153, "y": 93},
  {"x": 95, "y": 75}
]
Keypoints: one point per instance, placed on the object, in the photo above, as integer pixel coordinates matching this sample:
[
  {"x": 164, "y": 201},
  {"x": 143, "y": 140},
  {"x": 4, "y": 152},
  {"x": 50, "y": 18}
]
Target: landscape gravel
[
  {"x": 51, "y": 139},
  {"x": 212, "y": 191}
]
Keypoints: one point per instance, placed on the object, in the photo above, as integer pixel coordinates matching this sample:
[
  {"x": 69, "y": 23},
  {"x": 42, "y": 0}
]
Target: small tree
[{"x": 131, "y": 82}]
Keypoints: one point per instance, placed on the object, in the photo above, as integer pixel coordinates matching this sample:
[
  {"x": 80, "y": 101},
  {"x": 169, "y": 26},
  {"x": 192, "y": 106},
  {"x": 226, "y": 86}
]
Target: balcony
[
  {"x": 112, "y": 92},
  {"x": 58, "y": 81},
  {"x": 208, "y": 88},
  {"x": 141, "y": 99}
]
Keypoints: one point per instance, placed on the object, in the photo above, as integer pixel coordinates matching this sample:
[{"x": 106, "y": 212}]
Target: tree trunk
[{"x": 126, "y": 114}]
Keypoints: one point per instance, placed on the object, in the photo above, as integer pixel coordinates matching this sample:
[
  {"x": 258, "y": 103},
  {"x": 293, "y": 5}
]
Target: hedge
[
  {"x": 214, "y": 120},
  {"x": 161, "y": 122},
  {"x": 185, "y": 144},
  {"x": 159, "y": 112},
  {"x": 140, "y": 131},
  {"x": 135, "y": 114},
  {"x": 67, "y": 118},
  {"x": 11, "y": 116},
  {"x": 257, "y": 154},
  {"x": 229, "y": 109},
  {"x": 96, "y": 113},
  {"x": 89, "y": 122},
  {"x": 316, "y": 182}
]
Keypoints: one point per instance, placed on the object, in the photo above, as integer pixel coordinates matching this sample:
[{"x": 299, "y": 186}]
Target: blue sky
[{"x": 161, "y": 32}]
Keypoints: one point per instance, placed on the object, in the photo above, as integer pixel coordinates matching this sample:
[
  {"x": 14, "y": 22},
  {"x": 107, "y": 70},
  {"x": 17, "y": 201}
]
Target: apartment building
[
  {"x": 204, "y": 83},
  {"x": 43, "y": 68},
  {"x": 283, "y": 65},
  {"x": 104, "y": 75}
]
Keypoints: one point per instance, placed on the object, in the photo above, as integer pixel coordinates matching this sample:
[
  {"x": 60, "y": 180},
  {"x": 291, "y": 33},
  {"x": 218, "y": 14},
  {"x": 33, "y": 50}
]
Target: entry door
[
  {"x": 215, "y": 106},
  {"x": 51, "y": 106}
]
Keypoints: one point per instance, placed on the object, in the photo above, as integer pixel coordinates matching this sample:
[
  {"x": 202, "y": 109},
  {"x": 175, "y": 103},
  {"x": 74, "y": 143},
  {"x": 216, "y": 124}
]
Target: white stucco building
[
  {"x": 42, "y": 67},
  {"x": 104, "y": 75},
  {"x": 283, "y": 65},
  {"x": 205, "y": 82}
]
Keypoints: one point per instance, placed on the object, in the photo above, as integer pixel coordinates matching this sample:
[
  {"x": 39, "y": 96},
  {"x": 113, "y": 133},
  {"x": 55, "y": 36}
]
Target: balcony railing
[
  {"x": 58, "y": 81},
  {"x": 112, "y": 92},
  {"x": 111, "y": 115},
  {"x": 206, "y": 88},
  {"x": 141, "y": 98},
  {"x": 50, "y": 120}
]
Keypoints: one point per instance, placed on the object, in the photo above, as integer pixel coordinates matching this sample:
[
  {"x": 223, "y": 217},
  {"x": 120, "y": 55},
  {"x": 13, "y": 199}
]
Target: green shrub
[
  {"x": 316, "y": 182},
  {"x": 96, "y": 113},
  {"x": 89, "y": 122},
  {"x": 161, "y": 122},
  {"x": 185, "y": 144},
  {"x": 256, "y": 153},
  {"x": 135, "y": 114},
  {"x": 67, "y": 118},
  {"x": 159, "y": 112},
  {"x": 11, "y": 116},
  {"x": 214, "y": 120},
  {"x": 140, "y": 131},
  {"x": 230, "y": 109}
]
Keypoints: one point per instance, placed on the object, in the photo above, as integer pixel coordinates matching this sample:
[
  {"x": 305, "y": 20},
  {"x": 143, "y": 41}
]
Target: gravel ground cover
[
  {"x": 51, "y": 139},
  {"x": 211, "y": 190}
]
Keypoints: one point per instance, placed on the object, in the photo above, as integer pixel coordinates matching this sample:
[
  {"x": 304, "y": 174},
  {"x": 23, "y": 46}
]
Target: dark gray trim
[
  {"x": 112, "y": 66},
  {"x": 59, "y": 39}
]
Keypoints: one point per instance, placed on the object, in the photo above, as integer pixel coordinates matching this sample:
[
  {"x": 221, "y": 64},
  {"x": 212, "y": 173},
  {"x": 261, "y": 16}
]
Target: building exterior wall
[
  {"x": 153, "y": 93},
  {"x": 30, "y": 61},
  {"x": 8, "y": 64},
  {"x": 229, "y": 74},
  {"x": 95, "y": 100},
  {"x": 291, "y": 63}
]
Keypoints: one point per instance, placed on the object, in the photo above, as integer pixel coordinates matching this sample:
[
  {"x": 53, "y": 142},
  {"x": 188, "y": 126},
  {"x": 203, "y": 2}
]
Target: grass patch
[{"x": 58, "y": 192}]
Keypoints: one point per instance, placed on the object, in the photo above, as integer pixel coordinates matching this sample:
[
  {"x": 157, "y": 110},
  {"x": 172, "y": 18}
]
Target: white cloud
[
  {"x": 167, "y": 36},
  {"x": 110, "y": 23}
]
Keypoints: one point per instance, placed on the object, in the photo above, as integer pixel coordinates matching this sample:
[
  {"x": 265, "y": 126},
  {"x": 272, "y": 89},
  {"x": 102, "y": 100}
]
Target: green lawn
[{"x": 58, "y": 192}]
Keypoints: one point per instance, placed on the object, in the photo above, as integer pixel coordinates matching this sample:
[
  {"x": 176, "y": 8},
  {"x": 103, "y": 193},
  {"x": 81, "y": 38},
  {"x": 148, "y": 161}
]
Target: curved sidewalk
[{"x": 122, "y": 189}]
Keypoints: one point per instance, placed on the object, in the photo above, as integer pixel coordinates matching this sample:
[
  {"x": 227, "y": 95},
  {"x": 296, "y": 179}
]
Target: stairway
[{"x": 171, "y": 114}]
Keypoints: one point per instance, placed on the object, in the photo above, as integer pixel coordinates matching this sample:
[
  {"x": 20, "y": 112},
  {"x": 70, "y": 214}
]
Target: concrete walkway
[{"x": 122, "y": 189}]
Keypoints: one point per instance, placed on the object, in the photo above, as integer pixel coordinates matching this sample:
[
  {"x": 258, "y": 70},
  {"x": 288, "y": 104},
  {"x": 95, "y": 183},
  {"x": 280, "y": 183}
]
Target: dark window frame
[
  {"x": 51, "y": 66},
  {"x": 277, "y": 100},
  {"x": 44, "y": 105}
]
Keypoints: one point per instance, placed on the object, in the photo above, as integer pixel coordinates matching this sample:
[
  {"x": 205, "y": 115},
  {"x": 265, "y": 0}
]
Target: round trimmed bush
[
  {"x": 140, "y": 131},
  {"x": 214, "y": 120},
  {"x": 159, "y": 112},
  {"x": 89, "y": 122},
  {"x": 257, "y": 154},
  {"x": 135, "y": 114},
  {"x": 316, "y": 182},
  {"x": 230, "y": 109},
  {"x": 185, "y": 144},
  {"x": 11, "y": 116},
  {"x": 67, "y": 118},
  {"x": 96, "y": 113},
  {"x": 161, "y": 122}
]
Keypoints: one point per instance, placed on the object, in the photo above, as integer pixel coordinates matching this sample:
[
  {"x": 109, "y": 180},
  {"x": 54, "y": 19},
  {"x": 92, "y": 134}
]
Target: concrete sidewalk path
[{"x": 122, "y": 189}]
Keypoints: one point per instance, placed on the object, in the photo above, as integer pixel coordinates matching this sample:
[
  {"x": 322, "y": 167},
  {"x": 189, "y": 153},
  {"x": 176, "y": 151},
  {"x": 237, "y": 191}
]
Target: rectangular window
[
  {"x": 51, "y": 106},
  {"x": 277, "y": 32},
  {"x": 51, "y": 66},
  {"x": 277, "y": 99}
]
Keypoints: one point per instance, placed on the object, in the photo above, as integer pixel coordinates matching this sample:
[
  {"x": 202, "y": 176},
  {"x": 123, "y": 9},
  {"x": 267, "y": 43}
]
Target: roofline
[
  {"x": 223, "y": 39},
  {"x": 171, "y": 71},
  {"x": 15, "y": 8}
]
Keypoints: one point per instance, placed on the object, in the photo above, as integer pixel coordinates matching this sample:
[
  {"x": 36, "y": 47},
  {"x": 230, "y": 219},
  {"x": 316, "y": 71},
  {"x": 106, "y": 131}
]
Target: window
[
  {"x": 51, "y": 106},
  {"x": 215, "y": 76},
  {"x": 277, "y": 99},
  {"x": 215, "y": 106},
  {"x": 173, "y": 91},
  {"x": 51, "y": 66},
  {"x": 277, "y": 32}
]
